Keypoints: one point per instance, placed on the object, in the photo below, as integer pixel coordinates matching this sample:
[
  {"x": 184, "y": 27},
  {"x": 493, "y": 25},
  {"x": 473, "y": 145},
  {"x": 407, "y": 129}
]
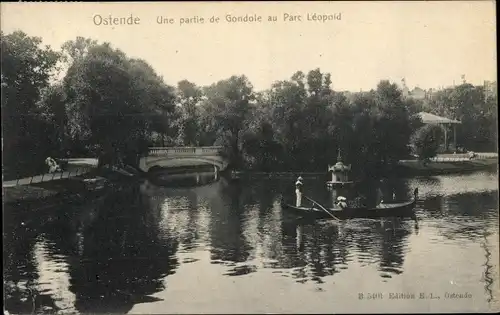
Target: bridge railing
[
  {"x": 463, "y": 157},
  {"x": 46, "y": 177},
  {"x": 183, "y": 151}
]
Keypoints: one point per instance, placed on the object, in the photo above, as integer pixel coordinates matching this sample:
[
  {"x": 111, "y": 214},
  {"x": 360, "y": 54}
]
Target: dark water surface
[{"x": 228, "y": 247}]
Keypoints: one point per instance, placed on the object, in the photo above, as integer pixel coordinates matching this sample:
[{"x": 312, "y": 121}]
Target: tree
[
  {"x": 188, "y": 98},
  {"x": 26, "y": 70},
  {"x": 391, "y": 114},
  {"x": 293, "y": 124},
  {"x": 426, "y": 141},
  {"x": 315, "y": 82},
  {"x": 116, "y": 101},
  {"x": 75, "y": 50},
  {"x": 285, "y": 103},
  {"x": 261, "y": 151},
  {"x": 475, "y": 116},
  {"x": 52, "y": 106},
  {"x": 226, "y": 108},
  {"x": 489, "y": 125},
  {"x": 362, "y": 144},
  {"x": 319, "y": 114},
  {"x": 476, "y": 112}
]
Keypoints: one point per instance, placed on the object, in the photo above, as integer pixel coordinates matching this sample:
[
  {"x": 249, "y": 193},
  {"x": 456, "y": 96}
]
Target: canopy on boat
[{"x": 339, "y": 167}]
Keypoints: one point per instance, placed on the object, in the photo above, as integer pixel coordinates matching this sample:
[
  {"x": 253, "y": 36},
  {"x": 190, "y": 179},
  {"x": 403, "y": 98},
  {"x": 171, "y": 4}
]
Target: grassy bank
[
  {"x": 417, "y": 168},
  {"x": 45, "y": 193},
  {"x": 26, "y": 193}
]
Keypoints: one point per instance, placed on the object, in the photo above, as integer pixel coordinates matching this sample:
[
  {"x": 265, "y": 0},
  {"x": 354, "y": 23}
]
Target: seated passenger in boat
[
  {"x": 298, "y": 191},
  {"x": 342, "y": 202}
]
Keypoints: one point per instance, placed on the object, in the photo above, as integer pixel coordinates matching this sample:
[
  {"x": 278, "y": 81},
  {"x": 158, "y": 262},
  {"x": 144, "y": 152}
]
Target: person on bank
[
  {"x": 298, "y": 190},
  {"x": 52, "y": 164}
]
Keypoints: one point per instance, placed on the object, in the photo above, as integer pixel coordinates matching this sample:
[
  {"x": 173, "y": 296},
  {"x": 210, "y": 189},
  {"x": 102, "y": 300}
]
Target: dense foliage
[
  {"x": 110, "y": 106},
  {"x": 115, "y": 103},
  {"x": 426, "y": 141},
  {"x": 26, "y": 70},
  {"x": 476, "y": 110}
]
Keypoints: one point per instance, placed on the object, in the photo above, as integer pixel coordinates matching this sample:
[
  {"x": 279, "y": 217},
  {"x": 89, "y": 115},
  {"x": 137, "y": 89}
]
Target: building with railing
[
  {"x": 444, "y": 123},
  {"x": 490, "y": 89}
]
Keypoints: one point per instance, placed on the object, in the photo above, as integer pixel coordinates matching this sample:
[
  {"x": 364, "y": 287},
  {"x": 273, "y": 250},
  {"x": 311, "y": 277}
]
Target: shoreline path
[{"x": 79, "y": 166}]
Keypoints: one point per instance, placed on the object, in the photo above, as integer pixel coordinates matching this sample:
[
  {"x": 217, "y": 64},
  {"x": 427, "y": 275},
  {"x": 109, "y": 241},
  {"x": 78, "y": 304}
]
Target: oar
[{"x": 324, "y": 209}]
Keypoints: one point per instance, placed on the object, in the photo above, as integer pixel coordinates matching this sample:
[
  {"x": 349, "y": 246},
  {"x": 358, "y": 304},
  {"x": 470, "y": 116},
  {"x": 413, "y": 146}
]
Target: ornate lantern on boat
[{"x": 340, "y": 173}]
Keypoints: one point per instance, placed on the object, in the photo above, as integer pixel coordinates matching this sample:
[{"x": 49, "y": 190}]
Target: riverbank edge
[
  {"x": 401, "y": 170},
  {"x": 48, "y": 195},
  {"x": 446, "y": 168},
  {"x": 117, "y": 180}
]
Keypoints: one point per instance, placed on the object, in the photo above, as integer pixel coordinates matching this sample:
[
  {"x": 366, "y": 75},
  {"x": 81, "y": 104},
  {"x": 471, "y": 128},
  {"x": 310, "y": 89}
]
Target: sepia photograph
[{"x": 250, "y": 157}]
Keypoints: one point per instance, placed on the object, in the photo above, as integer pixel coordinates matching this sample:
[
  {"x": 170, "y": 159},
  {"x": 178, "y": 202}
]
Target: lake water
[{"x": 228, "y": 247}]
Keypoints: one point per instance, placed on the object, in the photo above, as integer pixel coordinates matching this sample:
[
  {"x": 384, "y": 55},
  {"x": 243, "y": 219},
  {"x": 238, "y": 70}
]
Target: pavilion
[{"x": 431, "y": 119}]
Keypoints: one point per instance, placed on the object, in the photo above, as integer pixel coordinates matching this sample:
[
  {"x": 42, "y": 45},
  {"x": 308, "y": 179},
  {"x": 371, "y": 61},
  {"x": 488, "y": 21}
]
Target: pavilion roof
[{"x": 428, "y": 118}]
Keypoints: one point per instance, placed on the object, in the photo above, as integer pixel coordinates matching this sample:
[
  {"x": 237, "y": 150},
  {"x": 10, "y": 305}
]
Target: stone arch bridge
[{"x": 168, "y": 157}]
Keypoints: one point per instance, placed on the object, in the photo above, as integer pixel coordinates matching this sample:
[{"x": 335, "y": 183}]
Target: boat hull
[
  {"x": 339, "y": 184},
  {"x": 389, "y": 210}
]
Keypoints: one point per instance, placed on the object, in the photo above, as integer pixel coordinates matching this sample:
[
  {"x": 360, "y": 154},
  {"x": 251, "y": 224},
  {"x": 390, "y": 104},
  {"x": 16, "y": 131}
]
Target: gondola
[{"x": 400, "y": 209}]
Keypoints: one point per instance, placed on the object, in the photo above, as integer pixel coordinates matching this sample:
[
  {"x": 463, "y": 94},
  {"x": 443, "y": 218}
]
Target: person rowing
[{"x": 298, "y": 191}]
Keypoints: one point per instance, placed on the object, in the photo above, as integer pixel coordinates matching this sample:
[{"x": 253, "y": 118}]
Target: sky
[{"x": 430, "y": 44}]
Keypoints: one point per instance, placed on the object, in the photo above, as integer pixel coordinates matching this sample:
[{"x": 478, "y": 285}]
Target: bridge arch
[{"x": 183, "y": 157}]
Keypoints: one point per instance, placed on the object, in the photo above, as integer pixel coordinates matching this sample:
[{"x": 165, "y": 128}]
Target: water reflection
[
  {"x": 72, "y": 264},
  {"x": 124, "y": 260},
  {"x": 184, "y": 179},
  {"x": 226, "y": 229},
  {"x": 125, "y": 250},
  {"x": 53, "y": 282},
  {"x": 394, "y": 247},
  {"x": 20, "y": 274},
  {"x": 321, "y": 252}
]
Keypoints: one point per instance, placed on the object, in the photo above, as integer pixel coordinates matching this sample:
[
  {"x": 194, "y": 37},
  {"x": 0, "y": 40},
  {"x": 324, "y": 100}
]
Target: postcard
[{"x": 250, "y": 157}]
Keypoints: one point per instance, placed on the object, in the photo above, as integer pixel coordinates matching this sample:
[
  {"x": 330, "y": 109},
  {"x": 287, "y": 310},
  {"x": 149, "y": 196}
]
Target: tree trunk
[{"x": 236, "y": 155}]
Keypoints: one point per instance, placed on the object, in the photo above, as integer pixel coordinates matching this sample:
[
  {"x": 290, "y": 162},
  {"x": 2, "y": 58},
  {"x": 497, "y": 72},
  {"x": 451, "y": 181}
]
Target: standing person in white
[{"x": 298, "y": 191}]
